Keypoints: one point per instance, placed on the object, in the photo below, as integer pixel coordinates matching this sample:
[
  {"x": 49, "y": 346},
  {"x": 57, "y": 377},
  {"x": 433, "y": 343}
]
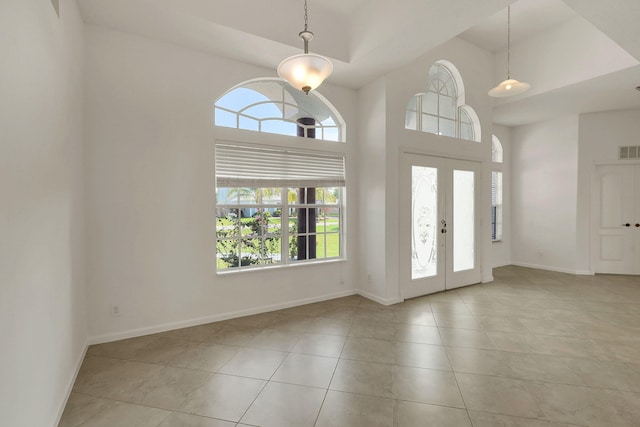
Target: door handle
[{"x": 444, "y": 230}]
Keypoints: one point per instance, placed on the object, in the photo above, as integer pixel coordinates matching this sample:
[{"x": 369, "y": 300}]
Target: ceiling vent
[{"x": 629, "y": 153}]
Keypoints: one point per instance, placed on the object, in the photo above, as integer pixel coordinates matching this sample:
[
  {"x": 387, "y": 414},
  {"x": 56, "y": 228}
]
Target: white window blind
[{"x": 248, "y": 166}]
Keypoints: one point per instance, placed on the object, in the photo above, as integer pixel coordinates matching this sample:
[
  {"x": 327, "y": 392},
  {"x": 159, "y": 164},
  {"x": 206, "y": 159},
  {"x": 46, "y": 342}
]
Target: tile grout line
[
  {"x": 455, "y": 376},
  {"x": 335, "y": 368},
  {"x": 448, "y": 351},
  {"x": 266, "y": 382}
]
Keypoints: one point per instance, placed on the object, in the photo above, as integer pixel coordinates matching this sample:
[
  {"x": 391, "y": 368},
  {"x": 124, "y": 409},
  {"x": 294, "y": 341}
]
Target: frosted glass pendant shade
[
  {"x": 509, "y": 87},
  {"x": 305, "y": 71}
]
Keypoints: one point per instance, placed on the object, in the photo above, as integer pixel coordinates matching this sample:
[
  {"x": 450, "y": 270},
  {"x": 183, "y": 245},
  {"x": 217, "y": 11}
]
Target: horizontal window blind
[{"x": 244, "y": 166}]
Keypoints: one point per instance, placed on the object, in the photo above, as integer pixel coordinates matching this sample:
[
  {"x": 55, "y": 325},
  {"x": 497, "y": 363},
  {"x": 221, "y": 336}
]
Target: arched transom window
[
  {"x": 496, "y": 150},
  {"x": 441, "y": 109},
  {"x": 273, "y": 106}
]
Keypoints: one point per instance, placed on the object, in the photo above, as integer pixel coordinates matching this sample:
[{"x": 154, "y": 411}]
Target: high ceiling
[
  {"x": 528, "y": 18},
  {"x": 367, "y": 38}
]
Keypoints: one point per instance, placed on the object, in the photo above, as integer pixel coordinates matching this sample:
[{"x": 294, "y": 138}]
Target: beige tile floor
[{"x": 531, "y": 349}]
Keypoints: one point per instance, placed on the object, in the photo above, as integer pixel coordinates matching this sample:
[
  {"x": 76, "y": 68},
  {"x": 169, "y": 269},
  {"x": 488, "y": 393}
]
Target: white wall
[
  {"x": 501, "y": 250},
  {"x": 42, "y": 298},
  {"x": 372, "y": 280},
  {"x": 151, "y": 194},
  {"x": 544, "y": 194},
  {"x": 602, "y": 133},
  {"x": 600, "y": 136},
  {"x": 553, "y": 165}
]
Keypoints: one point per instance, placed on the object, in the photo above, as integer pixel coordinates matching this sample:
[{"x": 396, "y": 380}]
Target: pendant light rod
[
  {"x": 510, "y": 86},
  {"x": 508, "y": 41},
  {"x": 305, "y": 71}
]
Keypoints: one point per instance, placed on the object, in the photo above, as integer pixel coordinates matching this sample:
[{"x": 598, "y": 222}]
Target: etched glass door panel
[
  {"x": 463, "y": 220},
  {"x": 424, "y": 222}
]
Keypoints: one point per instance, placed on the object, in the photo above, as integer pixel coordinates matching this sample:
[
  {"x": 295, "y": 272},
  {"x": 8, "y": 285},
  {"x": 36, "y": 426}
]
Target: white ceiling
[
  {"x": 337, "y": 6},
  {"x": 528, "y": 18},
  {"x": 367, "y": 38},
  {"x": 615, "y": 91}
]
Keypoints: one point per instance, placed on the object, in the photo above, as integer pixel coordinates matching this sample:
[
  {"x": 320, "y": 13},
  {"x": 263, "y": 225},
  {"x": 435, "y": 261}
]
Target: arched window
[
  {"x": 273, "y": 106},
  {"x": 278, "y": 204},
  {"x": 496, "y": 150},
  {"x": 441, "y": 109}
]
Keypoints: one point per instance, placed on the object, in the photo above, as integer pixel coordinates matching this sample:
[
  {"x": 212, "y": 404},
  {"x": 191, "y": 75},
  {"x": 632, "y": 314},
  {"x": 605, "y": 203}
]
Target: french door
[
  {"x": 439, "y": 224},
  {"x": 616, "y": 210}
]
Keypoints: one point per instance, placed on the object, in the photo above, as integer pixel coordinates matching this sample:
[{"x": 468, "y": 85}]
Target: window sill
[
  {"x": 497, "y": 241},
  {"x": 231, "y": 272}
]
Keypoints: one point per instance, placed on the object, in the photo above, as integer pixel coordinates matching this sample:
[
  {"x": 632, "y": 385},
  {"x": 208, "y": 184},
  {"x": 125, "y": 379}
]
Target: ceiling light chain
[
  {"x": 305, "y": 34},
  {"x": 306, "y": 16}
]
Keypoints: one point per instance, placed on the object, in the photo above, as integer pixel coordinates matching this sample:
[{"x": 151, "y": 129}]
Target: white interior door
[
  {"x": 617, "y": 215},
  {"x": 439, "y": 227}
]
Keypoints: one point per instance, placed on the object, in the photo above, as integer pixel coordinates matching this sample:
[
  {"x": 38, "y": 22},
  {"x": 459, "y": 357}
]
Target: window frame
[
  {"x": 235, "y": 136},
  {"x": 497, "y": 151},
  {"x": 285, "y": 234},
  {"x": 497, "y": 190},
  {"x": 497, "y": 209},
  {"x": 284, "y": 102}
]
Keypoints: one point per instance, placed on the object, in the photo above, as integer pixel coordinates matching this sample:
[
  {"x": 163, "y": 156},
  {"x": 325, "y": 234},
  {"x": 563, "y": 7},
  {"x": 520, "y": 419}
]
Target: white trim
[
  {"x": 71, "y": 384},
  {"x": 487, "y": 279},
  {"x": 132, "y": 333},
  {"x": 594, "y": 216},
  {"x": 379, "y": 300},
  {"x": 552, "y": 268},
  {"x": 428, "y": 151},
  {"x": 616, "y": 162},
  {"x": 496, "y": 147}
]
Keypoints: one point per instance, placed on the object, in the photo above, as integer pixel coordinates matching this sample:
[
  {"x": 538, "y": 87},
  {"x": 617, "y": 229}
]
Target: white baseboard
[
  {"x": 132, "y": 333},
  {"x": 551, "y": 268},
  {"x": 383, "y": 301},
  {"x": 487, "y": 279},
  {"x": 584, "y": 273},
  {"x": 72, "y": 381},
  {"x": 502, "y": 264}
]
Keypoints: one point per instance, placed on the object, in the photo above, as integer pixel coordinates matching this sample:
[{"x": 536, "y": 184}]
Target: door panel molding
[{"x": 615, "y": 203}]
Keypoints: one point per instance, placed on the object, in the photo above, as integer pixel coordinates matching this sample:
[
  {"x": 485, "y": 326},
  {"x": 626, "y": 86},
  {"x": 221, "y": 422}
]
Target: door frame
[
  {"x": 445, "y": 280},
  {"x": 595, "y": 209}
]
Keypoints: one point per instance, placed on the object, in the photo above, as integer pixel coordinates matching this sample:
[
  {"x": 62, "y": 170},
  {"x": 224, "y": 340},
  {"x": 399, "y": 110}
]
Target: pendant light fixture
[
  {"x": 305, "y": 71},
  {"x": 510, "y": 86}
]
